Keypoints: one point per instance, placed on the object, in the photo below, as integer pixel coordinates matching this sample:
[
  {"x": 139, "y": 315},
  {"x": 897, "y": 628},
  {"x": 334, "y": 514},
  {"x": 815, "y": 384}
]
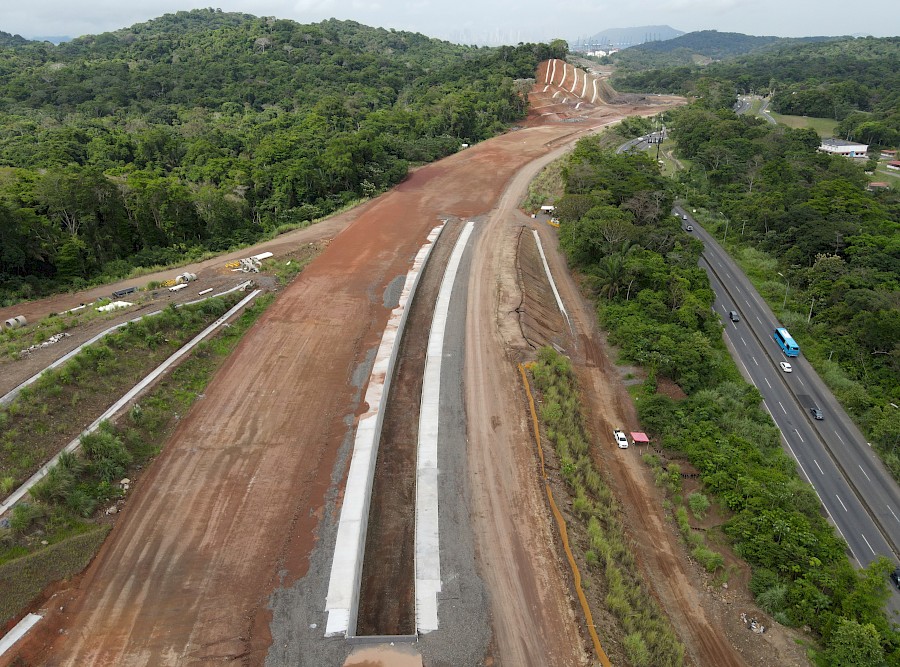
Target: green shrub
[
  {"x": 773, "y": 599},
  {"x": 699, "y": 504},
  {"x": 24, "y": 515},
  {"x": 709, "y": 559},
  {"x": 637, "y": 651}
]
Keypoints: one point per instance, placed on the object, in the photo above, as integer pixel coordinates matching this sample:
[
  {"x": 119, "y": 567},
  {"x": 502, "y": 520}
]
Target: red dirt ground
[{"x": 234, "y": 499}]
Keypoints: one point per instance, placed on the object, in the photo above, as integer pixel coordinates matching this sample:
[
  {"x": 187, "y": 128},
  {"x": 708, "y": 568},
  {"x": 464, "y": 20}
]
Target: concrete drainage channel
[
  {"x": 344, "y": 592},
  {"x": 19, "y": 493},
  {"x": 8, "y": 397}
]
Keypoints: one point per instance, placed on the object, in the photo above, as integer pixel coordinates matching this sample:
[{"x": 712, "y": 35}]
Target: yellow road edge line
[{"x": 563, "y": 533}]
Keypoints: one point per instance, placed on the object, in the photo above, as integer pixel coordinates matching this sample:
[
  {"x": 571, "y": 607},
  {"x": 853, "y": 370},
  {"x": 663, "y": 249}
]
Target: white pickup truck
[{"x": 621, "y": 438}]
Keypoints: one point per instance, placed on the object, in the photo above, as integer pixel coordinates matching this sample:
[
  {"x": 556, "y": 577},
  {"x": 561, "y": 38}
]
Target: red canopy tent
[{"x": 640, "y": 438}]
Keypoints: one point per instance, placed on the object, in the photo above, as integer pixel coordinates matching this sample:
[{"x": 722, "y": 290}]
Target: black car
[
  {"x": 895, "y": 577},
  {"x": 817, "y": 414}
]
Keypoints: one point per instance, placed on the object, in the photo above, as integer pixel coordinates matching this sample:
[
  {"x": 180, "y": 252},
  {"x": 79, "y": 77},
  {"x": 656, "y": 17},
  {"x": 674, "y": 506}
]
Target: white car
[
  {"x": 785, "y": 366},
  {"x": 621, "y": 439}
]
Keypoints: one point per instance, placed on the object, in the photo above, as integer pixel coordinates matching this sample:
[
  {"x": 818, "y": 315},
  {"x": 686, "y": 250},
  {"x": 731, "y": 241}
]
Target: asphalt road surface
[{"x": 853, "y": 485}]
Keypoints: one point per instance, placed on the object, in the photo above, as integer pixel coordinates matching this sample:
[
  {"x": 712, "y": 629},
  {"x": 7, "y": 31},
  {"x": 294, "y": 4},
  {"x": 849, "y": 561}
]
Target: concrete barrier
[
  {"x": 342, "y": 601},
  {"x": 427, "y": 533}
]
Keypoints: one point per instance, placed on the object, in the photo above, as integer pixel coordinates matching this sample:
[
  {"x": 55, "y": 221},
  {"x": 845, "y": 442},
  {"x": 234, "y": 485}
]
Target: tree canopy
[{"x": 204, "y": 129}]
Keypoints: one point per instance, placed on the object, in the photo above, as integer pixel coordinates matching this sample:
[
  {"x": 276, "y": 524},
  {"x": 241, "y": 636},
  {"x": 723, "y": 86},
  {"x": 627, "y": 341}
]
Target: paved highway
[
  {"x": 858, "y": 493},
  {"x": 642, "y": 143}
]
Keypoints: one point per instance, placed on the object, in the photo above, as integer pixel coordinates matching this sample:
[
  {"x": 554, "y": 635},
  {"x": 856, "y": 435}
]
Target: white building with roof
[{"x": 845, "y": 148}]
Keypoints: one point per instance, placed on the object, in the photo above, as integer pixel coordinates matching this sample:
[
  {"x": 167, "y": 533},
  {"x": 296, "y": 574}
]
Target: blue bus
[{"x": 787, "y": 344}]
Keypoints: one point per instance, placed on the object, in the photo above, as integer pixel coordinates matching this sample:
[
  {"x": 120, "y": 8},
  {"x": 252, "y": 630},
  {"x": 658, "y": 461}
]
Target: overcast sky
[{"x": 480, "y": 21}]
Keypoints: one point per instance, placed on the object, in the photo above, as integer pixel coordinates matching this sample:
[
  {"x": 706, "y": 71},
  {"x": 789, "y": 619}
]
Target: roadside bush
[
  {"x": 637, "y": 651},
  {"x": 709, "y": 559},
  {"x": 24, "y": 515},
  {"x": 108, "y": 456},
  {"x": 652, "y": 641},
  {"x": 699, "y": 504}
]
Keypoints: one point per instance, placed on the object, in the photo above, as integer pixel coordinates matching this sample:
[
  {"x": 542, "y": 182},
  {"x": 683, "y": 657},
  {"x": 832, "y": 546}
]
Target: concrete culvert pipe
[
  {"x": 16, "y": 322},
  {"x": 186, "y": 278}
]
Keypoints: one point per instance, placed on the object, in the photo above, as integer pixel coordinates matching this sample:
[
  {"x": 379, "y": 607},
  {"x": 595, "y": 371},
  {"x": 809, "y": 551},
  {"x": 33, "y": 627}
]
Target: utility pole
[{"x": 787, "y": 285}]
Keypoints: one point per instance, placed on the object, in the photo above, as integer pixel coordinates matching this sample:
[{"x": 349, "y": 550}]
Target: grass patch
[
  {"x": 650, "y": 639},
  {"x": 23, "y": 579},
  {"x": 825, "y": 127}
]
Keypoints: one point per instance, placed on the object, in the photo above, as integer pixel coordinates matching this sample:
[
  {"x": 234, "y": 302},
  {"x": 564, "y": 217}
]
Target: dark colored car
[
  {"x": 733, "y": 316},
  {"x": 895, "y": 577},
  {"x": 817, "y": 414}
]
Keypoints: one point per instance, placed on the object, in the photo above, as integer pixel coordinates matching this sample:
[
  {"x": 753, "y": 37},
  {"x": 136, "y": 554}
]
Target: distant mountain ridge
[
  {"x": 702, "y": 47},
  {"x": 624, "y": 37}
]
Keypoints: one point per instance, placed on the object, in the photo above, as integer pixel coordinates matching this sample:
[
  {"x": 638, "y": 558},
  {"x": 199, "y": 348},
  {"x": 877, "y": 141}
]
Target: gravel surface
[{"x": 464, "y": 631}]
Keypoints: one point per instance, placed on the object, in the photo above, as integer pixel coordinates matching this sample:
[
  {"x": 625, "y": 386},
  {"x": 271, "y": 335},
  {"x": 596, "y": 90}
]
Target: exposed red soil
[
  {"x": 229, "y": 512},
  {"x": 234, "y": 500}
]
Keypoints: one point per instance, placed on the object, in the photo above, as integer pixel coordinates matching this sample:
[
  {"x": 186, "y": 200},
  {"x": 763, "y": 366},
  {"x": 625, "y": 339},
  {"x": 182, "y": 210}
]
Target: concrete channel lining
[
  {"x": 427, "y": 543},
  {"x": 19, "y": 493},
  {"x": 20, "y": 630},
  {"x": 562, "y": 308},
  {"x": 9, "y": 396},
  {"x": 342, "y": 601}
]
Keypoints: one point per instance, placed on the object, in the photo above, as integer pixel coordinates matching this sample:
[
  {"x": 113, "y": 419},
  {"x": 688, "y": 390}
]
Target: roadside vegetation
[
  {"x": 46, "y": 415},
  {"x": 642, "y": 270},
  {"x": 820, "y": 248},
  {"x": 649, "y": 639},
  {"x": 55, "y": 533}
]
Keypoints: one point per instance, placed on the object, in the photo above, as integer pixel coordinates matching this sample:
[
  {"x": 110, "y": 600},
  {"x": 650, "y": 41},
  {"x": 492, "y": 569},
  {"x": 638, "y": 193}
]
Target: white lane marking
[
  {"x": 755, "y": 361},
  {"x": 767, "y": 382},
  {"x": 802, "y": 382},
  {"x": 748, "y": 303},
  {"x": 842, "y": 504},
  {"x": 739, "y": 290},
  {"x": 758, "y": 320},
  {"x": 720, "y": 264},
  {"x": 808, "y": 479},
  {"x": 839, "y": 437},
  {"x": 728, "y": 274},
  {"x": 818, "y": 466},
  {"x": 743, "y": 341},
  {"x": 748, "y": 375},
  {"x": 867, "y": 544},
  {"x": 892, "y": 512},
  {"x": 799, "y": 436},
  {"x": 864, "y": 473},
  {"x": 782, "y": 407}
]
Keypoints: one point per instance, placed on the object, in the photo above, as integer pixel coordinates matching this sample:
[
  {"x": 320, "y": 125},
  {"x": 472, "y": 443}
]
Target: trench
[{"x": 387, "y": 585}]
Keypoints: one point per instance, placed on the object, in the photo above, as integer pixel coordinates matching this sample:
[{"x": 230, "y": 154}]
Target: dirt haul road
[{"x": 228, "y": 513}]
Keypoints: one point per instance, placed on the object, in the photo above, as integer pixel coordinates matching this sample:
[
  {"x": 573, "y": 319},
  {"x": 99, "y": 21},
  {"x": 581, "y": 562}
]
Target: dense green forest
[
  {"x": 855, "y": 81},
  {"x": 204, "y": 129},
  {"x": 642, "y": 269}
]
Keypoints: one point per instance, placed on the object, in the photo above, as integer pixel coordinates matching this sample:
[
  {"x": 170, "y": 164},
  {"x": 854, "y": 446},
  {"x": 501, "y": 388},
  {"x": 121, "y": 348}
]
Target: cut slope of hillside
[{"x": 562, "y": 89}]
